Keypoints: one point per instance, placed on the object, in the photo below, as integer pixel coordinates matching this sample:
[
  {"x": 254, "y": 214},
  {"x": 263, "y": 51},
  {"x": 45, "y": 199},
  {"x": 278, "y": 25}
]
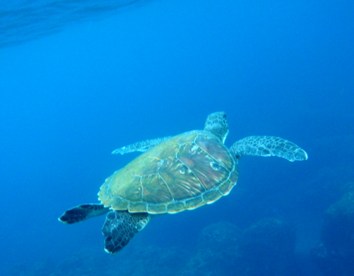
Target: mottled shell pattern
[{"x": 183, "y": 173}]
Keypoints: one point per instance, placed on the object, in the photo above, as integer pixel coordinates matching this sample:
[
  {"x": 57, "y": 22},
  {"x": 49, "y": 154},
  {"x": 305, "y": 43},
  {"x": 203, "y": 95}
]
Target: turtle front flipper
[
  {"x": 266, "y": 146},
  {"x": 120, "y": 227},
  {"x": 82, "y": 212},
  {"x": 140, "y": 146}
]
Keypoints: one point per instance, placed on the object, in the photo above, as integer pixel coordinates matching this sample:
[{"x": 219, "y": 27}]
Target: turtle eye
[{"x": 215, "y": 166}]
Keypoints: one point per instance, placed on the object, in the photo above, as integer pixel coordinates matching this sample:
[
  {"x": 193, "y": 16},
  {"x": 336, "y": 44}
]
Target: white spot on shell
[{"x": 194, "y": 148}]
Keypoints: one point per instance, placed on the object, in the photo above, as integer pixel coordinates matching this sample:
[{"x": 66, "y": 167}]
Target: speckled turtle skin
[{"x": 183, "y": 173}]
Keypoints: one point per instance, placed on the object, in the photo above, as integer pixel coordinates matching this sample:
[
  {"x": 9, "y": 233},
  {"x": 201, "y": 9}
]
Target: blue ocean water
[{"x": 80, "y": 78}]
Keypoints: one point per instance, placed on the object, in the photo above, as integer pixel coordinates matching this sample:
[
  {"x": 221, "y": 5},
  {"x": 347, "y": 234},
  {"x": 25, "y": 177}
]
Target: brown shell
[{"x": 182, "y": 173}]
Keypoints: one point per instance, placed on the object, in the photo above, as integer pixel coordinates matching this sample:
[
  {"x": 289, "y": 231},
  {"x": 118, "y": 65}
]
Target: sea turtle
[{"x": 174, "y": 174}]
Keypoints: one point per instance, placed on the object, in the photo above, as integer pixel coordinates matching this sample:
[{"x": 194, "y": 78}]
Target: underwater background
[{"x": 81, "y": 78}]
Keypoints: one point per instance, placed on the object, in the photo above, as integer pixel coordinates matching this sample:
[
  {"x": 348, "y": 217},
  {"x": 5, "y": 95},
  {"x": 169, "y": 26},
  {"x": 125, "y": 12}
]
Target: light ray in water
[{"x": 23, "y": 20}]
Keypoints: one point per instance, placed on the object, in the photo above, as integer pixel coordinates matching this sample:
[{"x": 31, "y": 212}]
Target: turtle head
[{"x": 217, "y": 124}]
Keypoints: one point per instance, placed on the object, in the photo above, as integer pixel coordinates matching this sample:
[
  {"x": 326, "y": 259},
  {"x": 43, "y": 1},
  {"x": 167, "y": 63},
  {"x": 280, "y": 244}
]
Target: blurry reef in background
[
  {"x": 266, "y": 247},
  {"x": 334, "y": 255}
]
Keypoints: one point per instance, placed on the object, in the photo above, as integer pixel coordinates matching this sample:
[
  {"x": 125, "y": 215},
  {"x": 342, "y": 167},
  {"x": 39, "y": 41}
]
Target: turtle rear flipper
[
  {"x": 120, "y": 227},
  {"x": 82, "y": 212},
  {"x": 266, "y": 146}
]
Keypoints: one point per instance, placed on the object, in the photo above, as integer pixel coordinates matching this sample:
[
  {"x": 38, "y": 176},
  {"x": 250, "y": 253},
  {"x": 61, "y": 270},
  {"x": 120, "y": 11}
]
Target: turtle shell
[{"x": 182, "y": 173}]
